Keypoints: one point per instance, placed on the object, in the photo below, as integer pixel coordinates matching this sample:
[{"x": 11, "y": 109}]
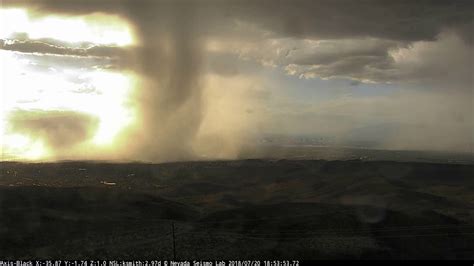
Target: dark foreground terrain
[{"x": 308, "y": 209}]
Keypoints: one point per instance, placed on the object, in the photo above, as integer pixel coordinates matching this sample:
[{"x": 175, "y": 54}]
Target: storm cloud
[
  {"x": 58, "y": 129},
  {"x": 422, "y": 44}
]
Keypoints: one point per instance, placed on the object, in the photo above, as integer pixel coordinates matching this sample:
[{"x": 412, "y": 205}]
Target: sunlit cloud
[
  {"x": 97, "y": 28},
  {"x": 17, "y": 146},
  {"x": 99, "y": 93},
  {"x": 37, "y": 85}
]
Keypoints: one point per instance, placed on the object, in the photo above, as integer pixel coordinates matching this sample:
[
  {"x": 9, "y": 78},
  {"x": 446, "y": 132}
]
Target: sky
[{"x": 178, "y": 80}]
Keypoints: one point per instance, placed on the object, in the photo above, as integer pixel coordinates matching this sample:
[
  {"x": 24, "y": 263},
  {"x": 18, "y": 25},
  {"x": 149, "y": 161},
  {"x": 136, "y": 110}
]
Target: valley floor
[{"x": 287, "y": 209}]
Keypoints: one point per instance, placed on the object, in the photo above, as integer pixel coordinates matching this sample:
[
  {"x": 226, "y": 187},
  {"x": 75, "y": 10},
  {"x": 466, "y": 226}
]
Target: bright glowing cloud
[
  {"x": 97, "y": 28},
  {"x": 34, "y": 86},
  {"x": 22, "y": 147},
  {"x": 99, "y": 93}
]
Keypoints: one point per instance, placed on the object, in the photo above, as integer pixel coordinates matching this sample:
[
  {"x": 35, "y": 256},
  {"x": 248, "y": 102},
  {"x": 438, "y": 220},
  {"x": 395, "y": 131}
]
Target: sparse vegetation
[{"x": 237, "y": 209}]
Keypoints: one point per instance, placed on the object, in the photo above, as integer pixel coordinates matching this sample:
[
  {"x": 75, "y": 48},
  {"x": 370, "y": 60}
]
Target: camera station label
[{"x": 149, "y": 263}]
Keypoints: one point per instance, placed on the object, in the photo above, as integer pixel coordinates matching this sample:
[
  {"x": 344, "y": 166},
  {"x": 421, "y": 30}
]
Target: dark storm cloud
[
  {"x": 332, "y": 52},
  {"x": 396, "y": 20},
  {"x": 171, "y": 37},
  {"x": 361, "y": 59},
  {"x": 59, "y": 129},
  {"x": 393, "y": 23}
]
